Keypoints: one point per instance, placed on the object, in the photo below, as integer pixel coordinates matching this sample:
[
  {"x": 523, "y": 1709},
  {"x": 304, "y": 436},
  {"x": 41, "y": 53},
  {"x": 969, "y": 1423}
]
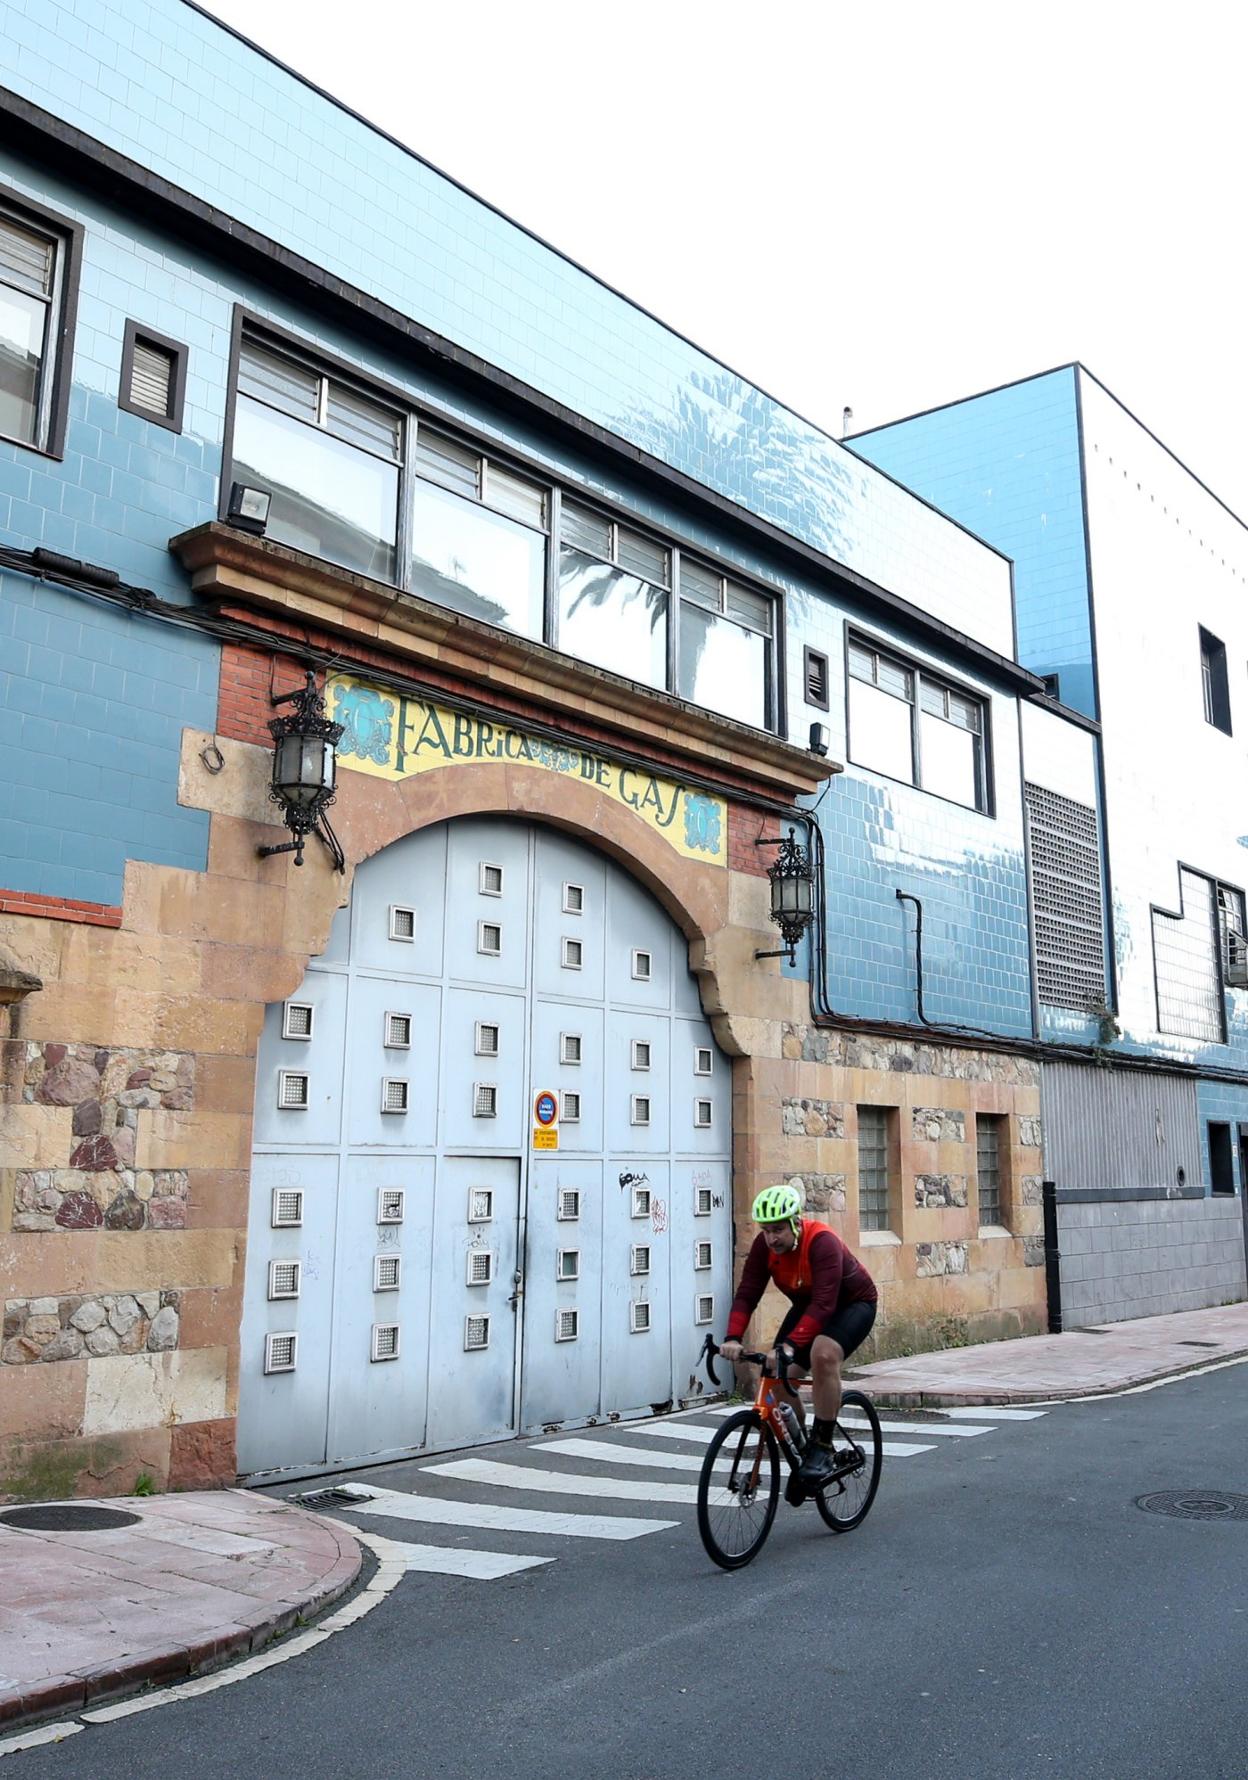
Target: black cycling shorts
[{"x": 849, "y": 1325}]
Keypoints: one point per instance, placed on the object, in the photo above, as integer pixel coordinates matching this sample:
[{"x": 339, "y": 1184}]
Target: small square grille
[
  {"x": 573, "y": 899},
  {"x": 704, "y": 1308},
  {"x": 641, "y": 966},
  {"x": 394, "y": 1094},
  {"x": 641, "y": 1202},
  {"x": 486, "y": 1039},
  {"x": 702, "y": 1115},
  {"x": 484, "y": 1100},
  {"x": 284, "y": 1279},
  {"x": 703, "y": 1060},
  {"x": 568, "y": 1263},
  {"x": 639, "y": 1109},
  {"x": 390, "y": 1204},
  {"x": 476, "y": 1333},
  {"x": 402, "y": 922},
  {"x": 641, "y": 1053},
  {"x": 480, "y": 1266},
  {"x": 567, "y": 1325},
  {"x": 571, "y": 1110},
  {"x": 297, "y": 1020},
  {"x": 638, "y": 1316},
  {"x": 287, "y": 1212},
  {"x": 385, "y": 1341},
  {"x": 702, "y": 1202},
  {"x": 489, "y": 939},
  {"x": 639, "y": 1260},
  {"x": 387, "y": 1273},
  {"x": 292, "y": 1090},
  {"x": 281, "y": 1352},
  {"x": 569, "y": 1204},
  {"x": 573, "y": 952},
  {"x": 480, "y": 1205},
  {"x": 490, "y": 880},
  {"x": 702, "y": 1257},
  {"x": 398, "y": 1032},
  {"x": 569, "y": 1047}
]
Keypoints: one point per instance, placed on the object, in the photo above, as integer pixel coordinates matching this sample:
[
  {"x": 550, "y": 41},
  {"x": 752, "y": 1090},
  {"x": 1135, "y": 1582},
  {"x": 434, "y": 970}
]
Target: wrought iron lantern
[
  {"x": 305, "y": 771},
  {"x": 792, "y": 893}
]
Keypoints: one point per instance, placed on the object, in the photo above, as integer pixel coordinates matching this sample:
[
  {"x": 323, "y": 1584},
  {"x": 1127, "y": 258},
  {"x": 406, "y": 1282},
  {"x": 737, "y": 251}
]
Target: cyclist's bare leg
[{"x": 826, "y": 1359}]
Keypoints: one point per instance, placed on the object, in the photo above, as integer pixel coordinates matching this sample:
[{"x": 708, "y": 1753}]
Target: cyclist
[{"x": 833, "y": 1303}]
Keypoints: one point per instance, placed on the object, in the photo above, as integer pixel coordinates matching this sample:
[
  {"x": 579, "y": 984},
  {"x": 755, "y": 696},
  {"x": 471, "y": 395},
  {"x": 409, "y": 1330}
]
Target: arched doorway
[{"x": 430, "y": 1263}]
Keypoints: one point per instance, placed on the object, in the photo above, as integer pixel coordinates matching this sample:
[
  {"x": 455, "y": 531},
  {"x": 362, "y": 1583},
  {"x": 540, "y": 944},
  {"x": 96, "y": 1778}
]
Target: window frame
[
  {"x": 1215, "y": 681},
  {"x": 986, "y": 803},
  {"x": 62, "y": 319},
  {"x": 888, "y": 1119},
  {"x": 138, "y": 334},
  {"x": 1217, "y": 887},
  {"x": 998, "y": 1124}
]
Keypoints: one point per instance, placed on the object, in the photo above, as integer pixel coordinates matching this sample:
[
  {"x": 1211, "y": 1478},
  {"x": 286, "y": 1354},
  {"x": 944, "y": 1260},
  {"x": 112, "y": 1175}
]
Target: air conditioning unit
[{"x": 1235, "y": 960}]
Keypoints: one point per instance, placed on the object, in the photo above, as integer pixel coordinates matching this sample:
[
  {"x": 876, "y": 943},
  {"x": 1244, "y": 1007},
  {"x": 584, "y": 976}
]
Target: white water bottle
[{"x": 789, "y": 1417}]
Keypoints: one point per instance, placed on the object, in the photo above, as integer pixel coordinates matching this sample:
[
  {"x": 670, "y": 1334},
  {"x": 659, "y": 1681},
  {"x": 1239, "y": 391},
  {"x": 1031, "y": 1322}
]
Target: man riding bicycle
[{"x": 833, "y": 1300}]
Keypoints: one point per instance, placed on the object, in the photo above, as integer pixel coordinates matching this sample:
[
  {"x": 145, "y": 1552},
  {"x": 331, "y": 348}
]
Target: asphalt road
[{"x": 1006, "y": 1611}]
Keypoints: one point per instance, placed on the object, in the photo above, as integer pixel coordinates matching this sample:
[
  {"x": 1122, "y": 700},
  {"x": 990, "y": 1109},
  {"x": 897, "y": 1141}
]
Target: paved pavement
[
  {"x": 1054, "y": 1368},
  {"x": 91, "y": 1612}
]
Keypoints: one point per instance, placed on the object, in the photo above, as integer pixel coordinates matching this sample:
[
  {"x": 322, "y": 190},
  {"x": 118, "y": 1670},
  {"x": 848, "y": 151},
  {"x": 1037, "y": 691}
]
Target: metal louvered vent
[
  {"x": 641, "y": 1202},
  {"x": 704, "y": 1308},
  {"x": 476, "y": 1333},
  {"x": 816, "y": 679},
  {"x": 639, "y": 1260},
  {"x": 480, "y": 1266},
  {"x": 569, "y": 1047},
  {"x": 297, "y": 1020},
  {"x": 484, "y": 1100},
  {"x": 569, "y": 1204},
  {"x": 489, "y": 939},
  {"x": 387, "y": 1273},
  {"x": 1066, "y": 889},
  {"x": 702, "y": 1256},
  {"x": 567, "y": 1325},
  {"x": 398, "y": 1032},
  {"x": 702, "y": 1115},
  {"x": 641, "y": 1053},
  {"x": 281, "y": 1352},
  {"x": 284, "y": 1279},
  {"x": 394, "y": 1094},
  {"x": 151, "y": 378},
  {"x": 402, "y": 923},
  {"x": 639, "y": 1109},
  {"x": 390, "y": 1205},
  {"x": 573, "y": 899},
  {"x": 638, "y": 1316},
  {"x": 486, "y": 1039},
  {"x": 702, "y": 1202},
  {"x": 490, "y": 880},
  {"x": 703, "y": 1060},
  {"x": 572, "y": 954},
  {"x": 571, "y": 1109},
  {"x": 292, "y": 1090},
  {"x": 642, "y": 966},
  {"x": 385, "y": 1341},
  {"x": 287, "y": 1208},
  {"x": 568, "y": 1263},
  {"x": 480, "y": 1205}
]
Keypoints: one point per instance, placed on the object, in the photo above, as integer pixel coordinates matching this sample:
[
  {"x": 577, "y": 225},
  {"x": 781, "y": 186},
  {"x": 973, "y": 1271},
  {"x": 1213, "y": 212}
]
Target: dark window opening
[
  {"x": 815, "y": 675},
  {"x": 153, "y": 377},
  {"x": 1221, "y": 1168},
  {"x": 1214, "y": 684}
]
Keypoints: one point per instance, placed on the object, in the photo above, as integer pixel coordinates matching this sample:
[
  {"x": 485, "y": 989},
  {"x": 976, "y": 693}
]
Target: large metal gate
[{"x": 429, "y": 1264}]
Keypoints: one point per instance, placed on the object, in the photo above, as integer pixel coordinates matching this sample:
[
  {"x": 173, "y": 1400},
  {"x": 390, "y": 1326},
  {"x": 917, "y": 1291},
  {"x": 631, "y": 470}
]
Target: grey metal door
[{"x": 421, "y": 1274}]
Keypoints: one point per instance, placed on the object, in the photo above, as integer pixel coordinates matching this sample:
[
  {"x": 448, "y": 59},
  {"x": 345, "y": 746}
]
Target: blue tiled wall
[{"x": 1006, "y": 465}]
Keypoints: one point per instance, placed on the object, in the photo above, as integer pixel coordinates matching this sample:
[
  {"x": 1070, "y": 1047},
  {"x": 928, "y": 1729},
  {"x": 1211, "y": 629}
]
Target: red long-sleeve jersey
[{"x": 819, "y": 1276}]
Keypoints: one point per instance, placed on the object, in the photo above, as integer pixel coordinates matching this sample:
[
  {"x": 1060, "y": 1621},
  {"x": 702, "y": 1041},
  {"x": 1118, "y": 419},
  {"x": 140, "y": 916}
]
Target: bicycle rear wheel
[
  {"x": 738, "y": 1489},
  {"x": 846, "y": 1502}
]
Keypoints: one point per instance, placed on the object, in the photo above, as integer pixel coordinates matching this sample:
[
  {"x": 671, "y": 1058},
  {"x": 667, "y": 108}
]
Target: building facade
[{"x": 451, "y": 1130}]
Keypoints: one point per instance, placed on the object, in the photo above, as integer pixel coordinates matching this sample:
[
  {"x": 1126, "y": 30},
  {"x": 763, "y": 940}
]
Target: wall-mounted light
[
  {"x": 305, "y": 771},
  {"x": 249, "y": 508},
  {"x": 792, "y": 893},
  {"x": 820, "y": 739}
]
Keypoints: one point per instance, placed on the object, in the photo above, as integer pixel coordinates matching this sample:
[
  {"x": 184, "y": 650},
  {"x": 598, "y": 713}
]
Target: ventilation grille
[
  {"x": 281, "y": 1352},
  {"x": 394, "y": 1094},
  {"x": 476, "y": 1333},
  {"x": 702, "y": 1202},
  {"x": 151, "y": 379},
  {"x": 490, "y": 881},
  {"x": 484, "y": 1100},
  {"x": 487, "y": 1040},
  {"x": 489, "y": 939},
  {"x": 702, "y": 1115},
  {"x": 569, "y": 1204},
  {"x": 568, "y": 1263},
  {"x": 573, "y": 952},
  {"x": 480, "y": 1266},
  {"x": 639, "y": 1113},
  {"x": 398, "y": 1032},
  {"x": 641, "y": 1053},
  {"x": 390, "y": 1205},
  {"x": 297, "y": 1020},
  {"x": 638, "y": 1316},
  {"x": 816, "y": 679},
  {"x": 385, "y": 1341},
  {"x": 639, "y": 1260},
  {"x": 567, "y": 1325},
  {"x": 1066, "y": 892},
  {"x": 570, "y": 1047},
  {"x": 702, "y": 1257},
  {"x": 292, "y": 1090},
  {"x": 641, "y": 1202},
  {"x": 642, "y": 965},
  {"x": 284, "y": 1279},
  {"x": 480, "y": 1205},
  {"x": 704, "y": 1308},
  {"x": 573, "y": 899},
  {"x": 402, "y": 923},
  {"x": 571, "y": 1113},
  {"x": 387, "y": 1273},
  {"x": 287, "y": 1211}
]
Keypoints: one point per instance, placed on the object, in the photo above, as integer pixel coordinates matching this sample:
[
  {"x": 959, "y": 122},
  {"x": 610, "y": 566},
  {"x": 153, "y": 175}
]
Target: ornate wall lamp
[
  {"x": 792, "y": 893},
  {"x": 305, "y": 772}
]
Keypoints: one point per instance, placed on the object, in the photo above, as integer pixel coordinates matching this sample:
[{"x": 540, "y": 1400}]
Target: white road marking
[
  {"x": 675, "y": 1430},
  {"x": 563, "y": 1483},
  {"x": 482, "y": 1566},
  {"x": 607, "y": 1453},
  {"x": 961, "y": 1429},
  {"x": 986, "y": 1412},
  {"x": 436, "y": 1510},
  {"x": 48, "y": 1733}
]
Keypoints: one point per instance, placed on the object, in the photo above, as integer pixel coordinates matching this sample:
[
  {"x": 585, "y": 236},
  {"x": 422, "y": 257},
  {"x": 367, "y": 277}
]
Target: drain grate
[
  {"x": 67, "y": 1517},
  {"x": 1195, "y": 1504}
]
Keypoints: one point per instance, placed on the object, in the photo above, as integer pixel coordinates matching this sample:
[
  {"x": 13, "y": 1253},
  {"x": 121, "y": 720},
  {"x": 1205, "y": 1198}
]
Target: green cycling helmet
[{"x": 778, "y": 1205}]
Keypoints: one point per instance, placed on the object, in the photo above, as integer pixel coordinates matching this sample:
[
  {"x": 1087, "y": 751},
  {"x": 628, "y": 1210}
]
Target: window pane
[
  {"x": 754, "y": 609},
  {"x": 700, "y": 585},
  {"x": 893, "y": 678},
  {"x": 22, "y": 322},
  {"x": 879, "y": 732},
  {"x": 328, "y": 498},
  {"x": 278, "y": 381},
  {"x": 611, "y": 619},
  {"x": 476, "y": 562},
  {"x": 590, "y": 531},
  {"x": 513, "y": 495},
  {"x": 26, "y": 259},
  {"x": 643, "y": 557},
  {"x": 361, "y": 422},
  {"x": 965, "y": 712},
  {"x": 948, "y": 760},
  {"x": 932, "y": 698},
  {"x": 861, "y": 662},
  {"x": 723, "y": 666},
  {"x": 1189, "y": 991},
  {"x": 449, "y": 464}
]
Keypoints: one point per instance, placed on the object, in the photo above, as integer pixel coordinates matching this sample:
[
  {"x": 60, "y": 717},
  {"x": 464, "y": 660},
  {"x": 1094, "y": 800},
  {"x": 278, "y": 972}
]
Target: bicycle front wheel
[
  {"x": 738, "y": 1489},
  {"x": 846, "y": 1502}
]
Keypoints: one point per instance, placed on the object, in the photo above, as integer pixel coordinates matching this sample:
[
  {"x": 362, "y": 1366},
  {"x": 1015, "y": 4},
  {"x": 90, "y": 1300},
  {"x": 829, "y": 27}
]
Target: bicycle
[{"x": 734, "y": 1517}]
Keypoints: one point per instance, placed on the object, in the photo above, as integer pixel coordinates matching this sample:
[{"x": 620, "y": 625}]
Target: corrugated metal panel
[{"x": 1106, "y": 1128}]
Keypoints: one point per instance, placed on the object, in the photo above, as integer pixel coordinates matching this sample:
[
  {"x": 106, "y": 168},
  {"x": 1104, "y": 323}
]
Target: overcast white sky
[{"x": 880, "y": 206}]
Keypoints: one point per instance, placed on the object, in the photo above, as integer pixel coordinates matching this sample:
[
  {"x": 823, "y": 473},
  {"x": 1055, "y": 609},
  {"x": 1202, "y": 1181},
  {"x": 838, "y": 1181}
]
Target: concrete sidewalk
[
  {"x": 1050, "y": 1368},
  {"x": 90, "y": 1611}
]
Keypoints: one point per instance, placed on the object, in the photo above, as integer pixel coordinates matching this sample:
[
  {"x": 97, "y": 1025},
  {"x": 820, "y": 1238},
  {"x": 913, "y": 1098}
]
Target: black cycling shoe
[
  {"x": 818, "y": 1465},
  {"x": 794, "y": 1491}
]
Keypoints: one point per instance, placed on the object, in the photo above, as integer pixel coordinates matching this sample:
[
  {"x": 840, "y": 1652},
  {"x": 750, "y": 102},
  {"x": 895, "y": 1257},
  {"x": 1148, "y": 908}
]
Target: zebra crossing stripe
[
  {"x": 961, "y": 1430},
  {"x": 562, "y": 1483},
  {"x": 699, "y": 1431},
  {"x": 438, "y": 1511},
  {"x": 607, "y": 1453},
  {"x": 481, "y": 1566}
]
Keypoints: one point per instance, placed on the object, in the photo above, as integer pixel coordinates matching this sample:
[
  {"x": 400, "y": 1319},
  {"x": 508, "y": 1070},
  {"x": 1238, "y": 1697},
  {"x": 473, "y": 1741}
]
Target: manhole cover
[
  {"x": 67, "y": 1517},
  {"x": 1195, "y": 1504}
]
